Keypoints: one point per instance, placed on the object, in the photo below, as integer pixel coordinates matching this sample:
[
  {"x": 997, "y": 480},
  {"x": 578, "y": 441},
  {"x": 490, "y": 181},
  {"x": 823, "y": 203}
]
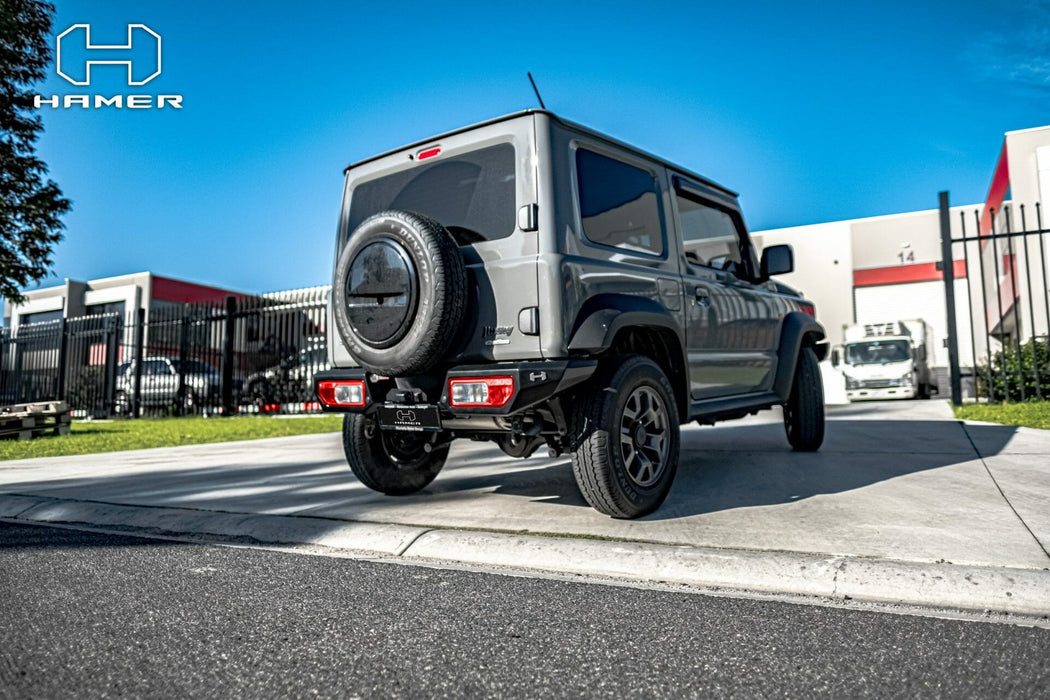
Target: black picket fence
[
  {"x": 253, "y": 354},
  {"x": 1005, "y": 260}
]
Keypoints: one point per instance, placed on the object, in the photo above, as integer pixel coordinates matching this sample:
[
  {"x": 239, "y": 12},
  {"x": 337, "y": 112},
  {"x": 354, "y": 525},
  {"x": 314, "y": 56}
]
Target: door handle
[{"x": 703, "y": 297}]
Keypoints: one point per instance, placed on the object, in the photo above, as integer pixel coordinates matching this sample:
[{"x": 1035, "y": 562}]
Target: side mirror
[
  {"x": 777, "y": 260},
  {"x": 835, "y": 358}
]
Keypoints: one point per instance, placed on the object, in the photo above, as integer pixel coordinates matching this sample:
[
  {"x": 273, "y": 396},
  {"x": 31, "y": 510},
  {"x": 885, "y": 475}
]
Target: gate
[
  {"x": 1004, "y": 259},
  {"x": 74, "y": 359}
]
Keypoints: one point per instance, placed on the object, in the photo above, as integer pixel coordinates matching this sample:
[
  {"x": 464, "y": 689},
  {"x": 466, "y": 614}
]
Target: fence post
[
  {"x": 140, "y": 344},
  {"x": 227, "y": 357},
  {"x": 948, "y": 265},
  {"x": 61, "y": 360},
  {"x": 113, "y": 330},
  {"x": 184, "y": 340}
]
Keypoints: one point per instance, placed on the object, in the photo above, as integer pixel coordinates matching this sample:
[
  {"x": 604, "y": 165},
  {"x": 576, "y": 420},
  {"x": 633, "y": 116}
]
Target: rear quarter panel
[{"x": 573, "y": 269}]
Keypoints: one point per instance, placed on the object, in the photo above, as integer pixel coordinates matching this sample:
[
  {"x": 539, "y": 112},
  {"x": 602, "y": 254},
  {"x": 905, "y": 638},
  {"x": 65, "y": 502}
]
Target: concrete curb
[
  {"x": 264, "y": 529},
  {"x": 942, "y": 585}
]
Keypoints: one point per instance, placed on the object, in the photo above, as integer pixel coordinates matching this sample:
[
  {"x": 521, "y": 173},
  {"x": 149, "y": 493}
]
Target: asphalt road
[{"x": 92, "y": 615}]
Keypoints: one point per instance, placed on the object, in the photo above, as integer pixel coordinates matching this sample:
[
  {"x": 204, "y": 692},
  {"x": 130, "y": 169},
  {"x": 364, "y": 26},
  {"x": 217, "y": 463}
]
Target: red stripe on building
[
  {"x": 901, "y": 274},
  {"x": 167, "y": 289},
  {"x": 1008, "y": 293},
  {"x": 996, "y": 192}
]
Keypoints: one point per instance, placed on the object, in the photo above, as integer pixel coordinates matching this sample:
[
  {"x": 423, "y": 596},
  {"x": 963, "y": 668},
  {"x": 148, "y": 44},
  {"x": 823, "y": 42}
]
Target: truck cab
[{"x": 887, "y": 360}]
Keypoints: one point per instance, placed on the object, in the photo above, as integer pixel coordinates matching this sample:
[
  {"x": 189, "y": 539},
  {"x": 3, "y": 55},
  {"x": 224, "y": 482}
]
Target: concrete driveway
[{"x": 901, "y": 485}]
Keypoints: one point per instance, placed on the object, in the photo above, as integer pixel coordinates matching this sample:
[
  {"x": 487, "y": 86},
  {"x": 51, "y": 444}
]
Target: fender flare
[
  {"x": 604, "y": 315},
  {"x": 797, "y": 331}
]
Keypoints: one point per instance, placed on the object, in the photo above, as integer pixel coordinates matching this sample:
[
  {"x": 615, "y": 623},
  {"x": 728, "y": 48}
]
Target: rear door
[
  {"x": 480, "y": 184},
  {"x": 732, "y": 324}
]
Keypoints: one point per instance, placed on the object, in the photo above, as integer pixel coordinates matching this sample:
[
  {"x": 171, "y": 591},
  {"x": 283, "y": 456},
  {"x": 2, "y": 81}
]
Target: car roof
[{"x": 563, "y": 122}]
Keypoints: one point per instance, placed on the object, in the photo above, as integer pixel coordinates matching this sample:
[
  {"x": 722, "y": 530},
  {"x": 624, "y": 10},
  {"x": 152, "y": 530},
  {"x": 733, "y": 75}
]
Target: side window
[
  {"x": 619, "y": 204},
  {"x": 709, "y": 235}
]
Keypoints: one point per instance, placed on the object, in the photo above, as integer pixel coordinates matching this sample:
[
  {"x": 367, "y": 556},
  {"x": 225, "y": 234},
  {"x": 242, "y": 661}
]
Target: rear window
[{"x": 472, "y": 195}]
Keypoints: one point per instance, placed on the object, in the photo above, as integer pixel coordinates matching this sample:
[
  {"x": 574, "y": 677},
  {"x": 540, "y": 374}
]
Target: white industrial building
[
  {"x": 885, "y": 268},
  {"x": 121, "y": 295}
]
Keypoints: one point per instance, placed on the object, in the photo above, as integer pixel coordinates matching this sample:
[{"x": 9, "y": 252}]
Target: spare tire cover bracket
[{"x": 381, "y": 293}]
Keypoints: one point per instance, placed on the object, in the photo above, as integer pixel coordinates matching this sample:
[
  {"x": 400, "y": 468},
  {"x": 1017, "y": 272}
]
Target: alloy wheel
[{"x": 644, "y": 436}]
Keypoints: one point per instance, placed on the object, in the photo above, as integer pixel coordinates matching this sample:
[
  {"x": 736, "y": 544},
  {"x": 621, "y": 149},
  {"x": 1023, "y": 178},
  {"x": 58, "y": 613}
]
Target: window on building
[
  {"x": 40, "y": 317},
  {"x": 113, "y": 307},
  {"x": 619, "y": 204},
  {"x": 709, "y": 235}
]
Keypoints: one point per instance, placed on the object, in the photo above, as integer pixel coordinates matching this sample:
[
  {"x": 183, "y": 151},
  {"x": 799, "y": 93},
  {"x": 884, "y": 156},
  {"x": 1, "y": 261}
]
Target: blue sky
[{"x": 813, "y": 111}]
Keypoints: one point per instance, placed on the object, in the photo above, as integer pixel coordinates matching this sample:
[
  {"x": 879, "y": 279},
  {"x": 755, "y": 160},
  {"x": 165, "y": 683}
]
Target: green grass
[
  {"x": 1034, "y": 414},
  {"x": 89, "y": 437}
]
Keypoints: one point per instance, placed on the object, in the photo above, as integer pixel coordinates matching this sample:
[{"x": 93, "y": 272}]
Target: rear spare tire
[{"x": 400, "y": 293}]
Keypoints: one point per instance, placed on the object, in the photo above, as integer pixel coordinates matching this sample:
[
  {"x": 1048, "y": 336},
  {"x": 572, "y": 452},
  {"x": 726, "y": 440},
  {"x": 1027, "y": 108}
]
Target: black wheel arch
[
  {"x": 797, "y": 331},
  {"x": 626, "y": 324}
]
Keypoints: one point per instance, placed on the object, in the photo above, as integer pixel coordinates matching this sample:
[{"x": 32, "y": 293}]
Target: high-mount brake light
[
  {"x": 480, "y": 392},
  {"x": 342, "y": 392},
  {"x": 428, "y": 153}
]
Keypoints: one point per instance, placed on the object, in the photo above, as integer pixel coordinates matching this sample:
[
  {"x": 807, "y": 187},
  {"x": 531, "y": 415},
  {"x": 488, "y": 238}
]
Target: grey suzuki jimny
[{"x": 532, "y": 282}]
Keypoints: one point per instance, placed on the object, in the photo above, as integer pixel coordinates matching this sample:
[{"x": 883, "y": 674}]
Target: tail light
[
  {"x": 480, "y": 392},
  {"x": 342, "y": 392},
  {"x": 808, "y": 309}
]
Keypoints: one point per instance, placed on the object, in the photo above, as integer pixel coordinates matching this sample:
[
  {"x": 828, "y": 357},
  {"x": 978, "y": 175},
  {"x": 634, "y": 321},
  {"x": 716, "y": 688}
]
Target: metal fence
[
  {"x": 1003, "y": 256},
  {"x": 254, "y": 354}
]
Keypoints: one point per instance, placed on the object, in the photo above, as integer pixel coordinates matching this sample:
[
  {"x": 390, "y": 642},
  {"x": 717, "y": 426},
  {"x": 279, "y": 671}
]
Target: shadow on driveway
[{"x": 722, "y": 468}]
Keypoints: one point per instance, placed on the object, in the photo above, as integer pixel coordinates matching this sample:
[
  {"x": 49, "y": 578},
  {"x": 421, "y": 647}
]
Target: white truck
[{"x": 888, "y": 360}]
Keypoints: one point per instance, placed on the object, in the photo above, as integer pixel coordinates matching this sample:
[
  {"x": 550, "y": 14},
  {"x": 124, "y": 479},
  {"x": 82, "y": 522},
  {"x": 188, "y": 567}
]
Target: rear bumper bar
[{"x": 534, "y": 383}]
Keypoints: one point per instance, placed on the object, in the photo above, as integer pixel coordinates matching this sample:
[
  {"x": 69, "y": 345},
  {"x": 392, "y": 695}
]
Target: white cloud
[{"x": 1018, "y": 53}]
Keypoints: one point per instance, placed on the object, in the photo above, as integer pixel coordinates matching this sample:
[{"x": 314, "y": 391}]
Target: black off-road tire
[
  {"x": 388, "y": 461},
  {"x": 260, "y": 393},
  {"x": 609, "y": 472},
  {"x": 438, "y": 294},
  {"x": 804, "y": 411},
  {"x": 186, "y": 402}
]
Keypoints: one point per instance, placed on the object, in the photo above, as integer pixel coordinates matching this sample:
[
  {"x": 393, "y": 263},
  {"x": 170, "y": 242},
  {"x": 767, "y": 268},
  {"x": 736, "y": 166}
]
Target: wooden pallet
[{"x": 25, "y": 421}]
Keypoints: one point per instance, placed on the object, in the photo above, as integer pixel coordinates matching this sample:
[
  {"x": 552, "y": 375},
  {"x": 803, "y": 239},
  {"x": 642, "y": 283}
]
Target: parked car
[
  {"x": 291, "y": 380},
  {"x": 533, "y": 282},
  {"x": 168, "y": 381}
]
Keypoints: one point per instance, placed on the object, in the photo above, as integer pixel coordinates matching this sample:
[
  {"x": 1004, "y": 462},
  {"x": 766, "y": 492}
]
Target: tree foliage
[{"x": 31, "y": 205}]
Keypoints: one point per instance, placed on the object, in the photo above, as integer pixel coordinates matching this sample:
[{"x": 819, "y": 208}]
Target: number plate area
[{"x": 410, "y": 417}]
